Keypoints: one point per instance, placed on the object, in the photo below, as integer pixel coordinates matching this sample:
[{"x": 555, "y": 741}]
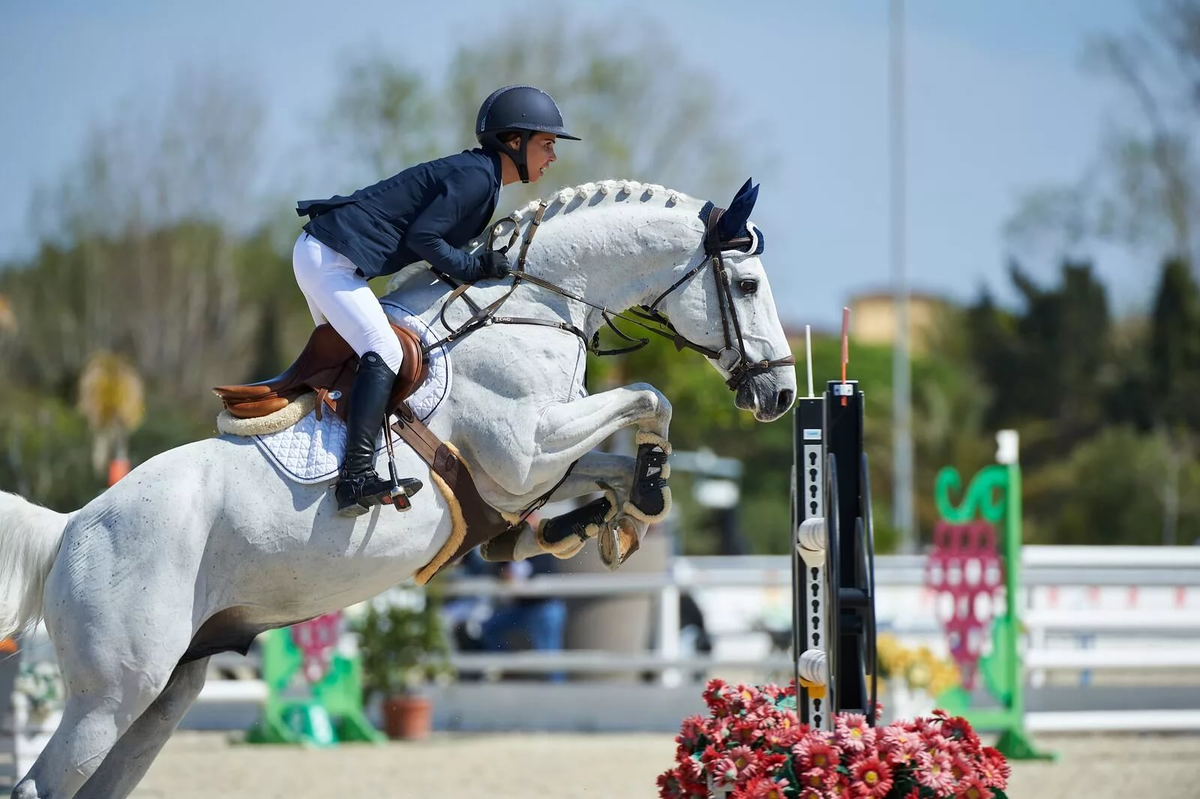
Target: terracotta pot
[{"x": 408, "y": 718}]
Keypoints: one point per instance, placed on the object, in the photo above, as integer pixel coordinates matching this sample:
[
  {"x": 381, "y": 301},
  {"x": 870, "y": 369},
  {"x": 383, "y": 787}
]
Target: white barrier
[{"x": 1166, "y": 635}]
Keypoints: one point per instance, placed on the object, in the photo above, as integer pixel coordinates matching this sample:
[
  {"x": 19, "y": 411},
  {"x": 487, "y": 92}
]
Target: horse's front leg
[{"x": 635, "y": 489}]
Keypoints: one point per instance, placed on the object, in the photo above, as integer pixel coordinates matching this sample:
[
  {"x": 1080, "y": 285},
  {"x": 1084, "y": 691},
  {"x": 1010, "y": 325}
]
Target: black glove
[{"x": 494, "y": 264}]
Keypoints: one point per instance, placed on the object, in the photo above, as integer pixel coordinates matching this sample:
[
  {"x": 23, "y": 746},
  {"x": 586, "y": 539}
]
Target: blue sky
[{"x": 998, "y": 104}]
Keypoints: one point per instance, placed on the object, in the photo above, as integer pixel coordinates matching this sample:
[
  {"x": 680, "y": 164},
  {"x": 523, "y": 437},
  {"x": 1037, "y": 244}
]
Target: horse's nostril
[{"x": 785, "y": 398}]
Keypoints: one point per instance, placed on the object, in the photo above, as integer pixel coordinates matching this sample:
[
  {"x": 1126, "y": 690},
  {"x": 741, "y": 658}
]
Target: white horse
[{"x": 204, "y": 546}]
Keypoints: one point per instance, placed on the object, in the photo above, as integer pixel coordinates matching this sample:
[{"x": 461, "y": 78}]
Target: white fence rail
[{"x": 1085, "y": 608}]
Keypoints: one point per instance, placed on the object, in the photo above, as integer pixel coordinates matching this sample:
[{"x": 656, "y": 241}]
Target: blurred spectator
[{"x": 527, "y": 622}]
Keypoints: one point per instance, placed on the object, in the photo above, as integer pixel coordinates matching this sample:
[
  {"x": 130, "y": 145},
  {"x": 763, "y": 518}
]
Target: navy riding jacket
[{"x": 428, "y": 212}]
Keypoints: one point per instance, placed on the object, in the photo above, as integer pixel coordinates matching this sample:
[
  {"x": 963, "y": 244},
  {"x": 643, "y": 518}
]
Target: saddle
[{"x": 326, "y": 366}]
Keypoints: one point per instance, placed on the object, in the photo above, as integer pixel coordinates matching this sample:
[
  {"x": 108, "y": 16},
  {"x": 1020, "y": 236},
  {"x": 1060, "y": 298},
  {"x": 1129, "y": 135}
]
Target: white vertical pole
[
  {"x": 902, "y": 446},
  {"x": 808, "y": 357}
]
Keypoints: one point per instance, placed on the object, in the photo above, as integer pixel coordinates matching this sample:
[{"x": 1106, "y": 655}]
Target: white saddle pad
[{"x": 311, "y": 451}]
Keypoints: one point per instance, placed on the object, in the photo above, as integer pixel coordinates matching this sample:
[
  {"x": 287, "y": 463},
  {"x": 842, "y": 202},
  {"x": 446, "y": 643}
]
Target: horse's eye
[{"x": 748, "y": 286}]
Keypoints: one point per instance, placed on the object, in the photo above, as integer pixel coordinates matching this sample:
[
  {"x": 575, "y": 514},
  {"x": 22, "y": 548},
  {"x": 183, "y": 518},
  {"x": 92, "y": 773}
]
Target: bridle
[{"x": 732, "y": 356}]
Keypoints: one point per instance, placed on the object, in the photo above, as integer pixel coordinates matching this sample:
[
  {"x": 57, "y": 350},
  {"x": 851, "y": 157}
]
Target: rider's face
[{"x": 540, "y": 155}]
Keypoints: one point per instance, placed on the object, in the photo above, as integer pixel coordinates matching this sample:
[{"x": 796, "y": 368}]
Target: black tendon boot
[{"x": 359, "y": 487}]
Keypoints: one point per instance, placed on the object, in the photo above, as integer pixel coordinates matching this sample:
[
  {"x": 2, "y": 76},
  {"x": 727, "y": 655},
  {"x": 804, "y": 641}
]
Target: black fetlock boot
[{"x": 359, "y": 486}]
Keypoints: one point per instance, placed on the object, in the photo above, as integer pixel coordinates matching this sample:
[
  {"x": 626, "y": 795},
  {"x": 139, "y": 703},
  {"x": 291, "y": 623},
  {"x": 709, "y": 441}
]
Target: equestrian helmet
[{"x": 518, "y": 109}]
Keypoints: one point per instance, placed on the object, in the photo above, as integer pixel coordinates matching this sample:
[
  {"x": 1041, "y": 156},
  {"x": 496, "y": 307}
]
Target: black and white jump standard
[{"x": 833, "y": 570}]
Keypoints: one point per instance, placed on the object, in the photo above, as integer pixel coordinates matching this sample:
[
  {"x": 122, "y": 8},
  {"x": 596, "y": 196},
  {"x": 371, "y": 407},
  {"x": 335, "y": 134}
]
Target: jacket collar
[{"x": 494, "y": 157}]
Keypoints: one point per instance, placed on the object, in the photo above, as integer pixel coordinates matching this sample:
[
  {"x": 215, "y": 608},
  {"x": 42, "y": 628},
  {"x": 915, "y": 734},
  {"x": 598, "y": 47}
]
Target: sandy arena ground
[{"x": 455, "y": 766}]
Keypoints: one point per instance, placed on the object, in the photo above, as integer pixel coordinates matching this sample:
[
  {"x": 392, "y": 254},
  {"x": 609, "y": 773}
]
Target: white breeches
[{"x": 337, "y": 294}]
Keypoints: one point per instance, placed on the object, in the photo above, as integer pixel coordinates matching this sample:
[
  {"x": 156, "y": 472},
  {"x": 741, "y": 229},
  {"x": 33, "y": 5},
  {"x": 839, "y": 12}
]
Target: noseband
[
  {"x": 732, "y": 356},
  {"x": 740, "y": 367}
]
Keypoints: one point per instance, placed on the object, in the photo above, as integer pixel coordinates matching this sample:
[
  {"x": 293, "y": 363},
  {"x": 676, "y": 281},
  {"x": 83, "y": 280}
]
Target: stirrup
[{"x": 357, "y": 494}]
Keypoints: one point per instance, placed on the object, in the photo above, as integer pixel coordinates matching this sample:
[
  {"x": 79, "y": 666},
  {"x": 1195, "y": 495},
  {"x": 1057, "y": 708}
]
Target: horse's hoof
[{"x": 617, "y": 541}]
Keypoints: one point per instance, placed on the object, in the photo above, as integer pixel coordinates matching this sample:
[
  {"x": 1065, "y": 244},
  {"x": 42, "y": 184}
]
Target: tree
[
  {"x": 1174, "y": 349},
  {"x": 1047, "y": 367},
  {"x": 642, "y": 111},
  {"x": 1175, "y": 369},
  {"x": 139, "y": 250},
  {"x": 1144, "y": 187}
]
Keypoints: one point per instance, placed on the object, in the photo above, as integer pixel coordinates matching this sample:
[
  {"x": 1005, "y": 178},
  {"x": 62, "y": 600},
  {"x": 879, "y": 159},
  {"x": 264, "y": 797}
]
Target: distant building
[{"x": 873, "y": 318}]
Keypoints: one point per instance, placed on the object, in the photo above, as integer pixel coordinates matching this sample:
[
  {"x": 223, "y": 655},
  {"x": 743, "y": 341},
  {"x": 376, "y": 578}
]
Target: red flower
[
  {"x": 973, "y": 788},
  {"x": 994, "y": 768},
  {"x": 690, "y": 771},
  {"x": 761, "y": 788},
  {"x": 691, "y": 730},
  {"x": 959, "y": 729},
  {"x": 668, "y": 786},
  {"x": 816, "y": 753},
  {"x": 873, "y": 778}
]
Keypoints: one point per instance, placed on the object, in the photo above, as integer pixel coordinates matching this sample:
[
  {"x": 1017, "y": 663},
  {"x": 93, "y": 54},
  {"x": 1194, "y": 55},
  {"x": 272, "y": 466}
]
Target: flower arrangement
[
  {"x": 752, "y": 746},
  {"x": 919, "y": 669}
]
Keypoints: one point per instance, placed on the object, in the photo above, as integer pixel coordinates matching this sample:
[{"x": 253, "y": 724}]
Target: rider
[{"x": 425, "y": 213}]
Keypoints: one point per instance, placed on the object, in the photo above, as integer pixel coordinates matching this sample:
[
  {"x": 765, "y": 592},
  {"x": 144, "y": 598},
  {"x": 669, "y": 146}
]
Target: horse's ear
[{"x": 738, "y": 214}]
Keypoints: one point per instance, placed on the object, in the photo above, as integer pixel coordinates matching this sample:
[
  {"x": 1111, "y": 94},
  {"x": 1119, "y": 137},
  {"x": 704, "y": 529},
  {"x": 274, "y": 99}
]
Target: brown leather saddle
[{"x": 326, "y": 366}]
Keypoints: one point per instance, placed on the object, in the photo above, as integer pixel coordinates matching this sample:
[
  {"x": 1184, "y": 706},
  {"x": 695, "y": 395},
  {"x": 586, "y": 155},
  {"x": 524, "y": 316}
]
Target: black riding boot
[{"x": 359, "y": 486}]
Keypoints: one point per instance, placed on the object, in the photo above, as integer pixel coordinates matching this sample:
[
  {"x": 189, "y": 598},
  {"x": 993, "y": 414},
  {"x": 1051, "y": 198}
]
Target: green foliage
[
  {"x": 1110, "y": 490},
  {"x": 1174, "y": 349},
  {"x": 402, "y": 643},
  {"x": 46, "y": 451}
]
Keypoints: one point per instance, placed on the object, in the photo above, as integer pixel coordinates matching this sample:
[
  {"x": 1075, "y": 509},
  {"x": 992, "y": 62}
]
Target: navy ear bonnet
[{"x": 735, "y": 222}]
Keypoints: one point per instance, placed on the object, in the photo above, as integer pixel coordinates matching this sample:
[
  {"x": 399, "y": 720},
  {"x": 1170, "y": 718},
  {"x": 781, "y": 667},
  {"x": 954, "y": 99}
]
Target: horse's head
[{"x": 720, "y": 301}]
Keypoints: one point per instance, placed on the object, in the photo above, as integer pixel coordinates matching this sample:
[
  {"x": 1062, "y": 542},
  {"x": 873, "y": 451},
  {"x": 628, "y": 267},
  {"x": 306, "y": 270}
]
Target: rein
[
  {"x": 733, "y": 359},
  {"x": 740, "y": 367}
]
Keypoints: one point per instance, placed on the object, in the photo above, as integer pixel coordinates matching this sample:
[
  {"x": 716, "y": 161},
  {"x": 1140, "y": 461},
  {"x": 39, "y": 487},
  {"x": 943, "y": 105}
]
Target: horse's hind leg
[
  {"x": 92, "y": 721},
  {"x": 127, "y": 763},
  {"x": 115, "y": 661}
]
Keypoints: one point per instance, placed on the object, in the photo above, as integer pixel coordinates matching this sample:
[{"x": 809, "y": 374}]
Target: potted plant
[{"x": 403, "y": 648}]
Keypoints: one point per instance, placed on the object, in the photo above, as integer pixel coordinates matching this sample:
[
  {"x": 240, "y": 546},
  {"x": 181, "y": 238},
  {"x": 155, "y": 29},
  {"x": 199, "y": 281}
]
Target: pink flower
[
  {"x": 761, "y": 788},
  {"x": 724, "y": 772},
  {"x": 962, "y": 766},
  {"x": 839, "y": 787},
  {"x": 784, "y": 737},
  {"x": 816, "y": 778},
  {"x": 934, "y": 743},
  {"x": 744, "y": 759},
  {"x": 812, "y": 793},
  {"x": 898, "y": 737},
  {"x": 973, "y": 788},
  {"x": 873, "y": 778},
  {"x": 933, "y": 772},
  {"x": 853, "y": 734}
]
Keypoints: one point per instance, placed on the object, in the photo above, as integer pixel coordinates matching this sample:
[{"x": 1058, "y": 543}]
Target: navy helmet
[{"x": 524, "y": 110}]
